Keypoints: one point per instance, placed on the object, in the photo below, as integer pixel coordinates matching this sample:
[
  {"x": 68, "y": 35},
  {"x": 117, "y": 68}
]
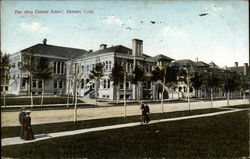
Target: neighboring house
[
  {"x": 241, "y": 70},
  {"x": 108, "y": 56},
  {"x": 57, "y": 56}
]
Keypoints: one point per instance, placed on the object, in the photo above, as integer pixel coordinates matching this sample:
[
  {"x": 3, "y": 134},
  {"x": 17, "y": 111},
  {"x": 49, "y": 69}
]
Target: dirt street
[{"x": 53, "y": 116}]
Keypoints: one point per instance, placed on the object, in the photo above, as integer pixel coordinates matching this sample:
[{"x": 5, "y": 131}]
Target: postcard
[{"x": 125, "y": 79}]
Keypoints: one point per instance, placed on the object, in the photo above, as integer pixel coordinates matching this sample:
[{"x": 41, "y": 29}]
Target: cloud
[
  {"x": 172, "y": 31},
  {"x": 213, "y": 8},
  {"x": 35, "y": 27},
  {"x": 112, "y": 20}
]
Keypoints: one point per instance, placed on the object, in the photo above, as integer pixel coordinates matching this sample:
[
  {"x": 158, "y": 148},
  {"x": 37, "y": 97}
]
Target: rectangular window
[
  {"x": 40, "y": 84},
  {"x": 108, "y": 83},
  {"x": 34, "y": 84},
  {"x": 149, "y": 85},
  {"x": 19, "y": 64},
  {"x": 54, "y": 67},
  {"x": 6, "y": 88},
  {"x": 106, "y": 66},
  {"x": 62, "y": 68},
  {"x": 55, "y": 84},
  {"x": 58, "y": 67},
  {"x": 23, "y": 83},
  {"x": 104, "y": 83},
  {"x": 121, "y": 86},
  {"x": 109, "y": 65},
  {"x": 60, "y": 84},
  {"x": 82, "y": 83}
]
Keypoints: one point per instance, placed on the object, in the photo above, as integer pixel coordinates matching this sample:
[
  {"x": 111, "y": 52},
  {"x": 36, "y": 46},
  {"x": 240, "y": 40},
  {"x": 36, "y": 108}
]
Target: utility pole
[
  {"x": 211, "y": 75},
  {"x": 125, "y": 110},
  {"x": 163, "y": 90},
  {"x": 188, "y": 89}
]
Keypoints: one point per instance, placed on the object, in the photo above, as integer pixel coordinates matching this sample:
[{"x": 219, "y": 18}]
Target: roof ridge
[{"x": 59, "y": 46}]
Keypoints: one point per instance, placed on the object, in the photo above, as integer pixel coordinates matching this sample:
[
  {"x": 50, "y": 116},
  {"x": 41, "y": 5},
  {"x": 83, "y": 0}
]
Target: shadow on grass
[
  {"x": 223, "y": 136},
  {"x": 67, "y": 126}
]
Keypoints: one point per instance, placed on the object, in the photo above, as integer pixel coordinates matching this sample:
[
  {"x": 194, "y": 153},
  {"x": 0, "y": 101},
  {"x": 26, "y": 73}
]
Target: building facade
[
  {"x": 56, "y": 55},
  {"x": 108, "y": 56}
]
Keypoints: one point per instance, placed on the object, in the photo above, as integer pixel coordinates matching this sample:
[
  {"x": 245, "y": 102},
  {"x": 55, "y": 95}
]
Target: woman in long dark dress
[{"x": 27, "y": 134}]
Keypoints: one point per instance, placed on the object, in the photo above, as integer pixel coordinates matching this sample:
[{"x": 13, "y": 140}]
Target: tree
[
  {"x": 230, "y": 85},
  {"x": 75, "y": 76},
  {"x": 157, "y": 75},
  {"x": 136, "y": 78},
  {"x": 117, "y": 77},
  {"x": 243, "y": 85},
  {"x": 70, "y": 76},
  {"x": 167, "y": 76},
  {"x": 5, "y": 69},
  {"x": 196, "y": 82},
  {"x": 28, "y": 66},
  {"x": 43, "y": 72},
  {"x": 96, "y": 74}
]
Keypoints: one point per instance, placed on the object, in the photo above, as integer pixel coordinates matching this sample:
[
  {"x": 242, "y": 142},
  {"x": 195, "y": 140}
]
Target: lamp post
[
  {"x": 211, "y": 76},
  {"x": 125, "y": 82},
  {"x": 188, "y": 89},
  {"x": 163, "y": 90},
  {"x": 211, "y": 86},
  {"x": 125, "y": 85},
  {"x": 189, "y": 69}
]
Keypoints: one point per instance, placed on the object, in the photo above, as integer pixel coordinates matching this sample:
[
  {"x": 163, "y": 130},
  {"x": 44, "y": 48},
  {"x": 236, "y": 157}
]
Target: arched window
[
  {"x": 104, "y": 83},
  {"x": 82, "y": 83}
]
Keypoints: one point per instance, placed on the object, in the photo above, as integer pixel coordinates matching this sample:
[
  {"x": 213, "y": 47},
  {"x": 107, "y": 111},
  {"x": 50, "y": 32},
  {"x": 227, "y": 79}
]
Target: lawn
[
  {"x": 223, "y": 136},
  {"x": 37, "y": 101}
]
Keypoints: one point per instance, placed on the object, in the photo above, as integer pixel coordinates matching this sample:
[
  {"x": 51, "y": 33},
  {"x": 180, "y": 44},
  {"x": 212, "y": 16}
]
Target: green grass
[
  {"x": 223, "y": 136},
  {"x": 37, "y": 101},
  {"x": 66, "y": 126}
]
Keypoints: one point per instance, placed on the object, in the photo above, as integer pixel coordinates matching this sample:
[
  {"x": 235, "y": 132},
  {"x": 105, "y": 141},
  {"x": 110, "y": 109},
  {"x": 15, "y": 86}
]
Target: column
[{"x": 56, "y": 67}]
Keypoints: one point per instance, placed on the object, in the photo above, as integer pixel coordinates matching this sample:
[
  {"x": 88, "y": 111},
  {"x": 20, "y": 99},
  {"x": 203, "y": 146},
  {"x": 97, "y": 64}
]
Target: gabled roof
[
  {"x": 185, "y": 62},
  {"x": 213, "y": 65},
  {"x": 201, "y": 64},
  {"x": 52, "y": 50},
  {"x": 162, "y": 57},
  {"x": 117, "y": 49}
]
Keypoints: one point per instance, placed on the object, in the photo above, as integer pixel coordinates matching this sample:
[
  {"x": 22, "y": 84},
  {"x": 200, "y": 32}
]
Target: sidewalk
[{"x": 39, "y": 137}]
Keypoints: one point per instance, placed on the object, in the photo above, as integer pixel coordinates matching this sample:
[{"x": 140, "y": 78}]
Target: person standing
[
  {"x": 146, "y": 114},
  {"x": 142, "y": 111},
  {"x": 27, "y": 134},
  {"x": 21, "y": 120}
]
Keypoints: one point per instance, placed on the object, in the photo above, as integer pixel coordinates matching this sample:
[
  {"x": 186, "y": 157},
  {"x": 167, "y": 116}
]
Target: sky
[{"x": 172, "y": 28}]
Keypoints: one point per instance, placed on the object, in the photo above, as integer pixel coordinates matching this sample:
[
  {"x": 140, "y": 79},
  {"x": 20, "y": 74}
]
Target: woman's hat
[{"x": 28, "y": 112}]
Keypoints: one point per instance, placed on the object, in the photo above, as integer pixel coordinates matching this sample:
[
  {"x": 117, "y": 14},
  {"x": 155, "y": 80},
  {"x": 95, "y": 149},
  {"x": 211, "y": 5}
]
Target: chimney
[
  {"x": 137, "y": 47},
  {"x": 196, "y": 59},
  {"x": 245, "y": 69},
  {"x": 103, "y": 46},
  {"x": 236, "y": 64},
  {"x": 44, "y": 41}
]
